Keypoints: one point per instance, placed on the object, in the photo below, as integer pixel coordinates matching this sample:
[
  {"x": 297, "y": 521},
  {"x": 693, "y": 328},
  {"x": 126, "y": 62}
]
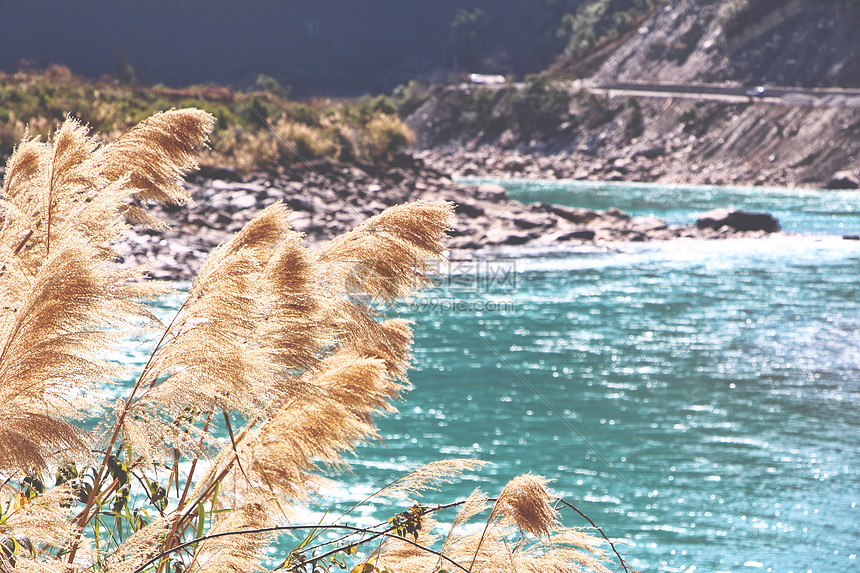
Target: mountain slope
[{"x": 782, "y": 42}]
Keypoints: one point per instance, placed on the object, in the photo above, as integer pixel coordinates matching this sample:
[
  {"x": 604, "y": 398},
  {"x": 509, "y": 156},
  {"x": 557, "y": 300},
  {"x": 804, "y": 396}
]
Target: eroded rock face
[{"x": 738, "y": 220}]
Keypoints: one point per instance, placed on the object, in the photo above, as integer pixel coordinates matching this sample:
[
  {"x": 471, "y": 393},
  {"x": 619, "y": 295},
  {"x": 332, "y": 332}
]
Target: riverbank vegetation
[
  {"x": 260, "y": 128},
  {"x": 263, "y": 129},
  {"x": 273, "y": 367}
]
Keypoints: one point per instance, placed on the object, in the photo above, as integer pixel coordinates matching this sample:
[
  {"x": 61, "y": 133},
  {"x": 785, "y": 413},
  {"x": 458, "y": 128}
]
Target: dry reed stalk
[
  {"x": 292, "y": 341},
  {"x": 527, "y": 503},
  {"x": 239, "y": 554},
  {"x": 140, "y": 546}
]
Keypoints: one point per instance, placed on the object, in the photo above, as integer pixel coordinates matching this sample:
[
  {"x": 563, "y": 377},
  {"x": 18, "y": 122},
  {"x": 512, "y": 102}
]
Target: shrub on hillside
[
  {"x": 599, "y": 22},
  {"x": 540, "y": 107},
  {"x": 385, "y": 135},
  {"x": 408, "y": 98},
  {"x": 299, "y": 141}
]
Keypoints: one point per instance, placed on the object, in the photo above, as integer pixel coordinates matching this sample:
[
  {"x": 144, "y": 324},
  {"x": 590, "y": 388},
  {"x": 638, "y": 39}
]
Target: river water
[{"x": 700, "y": 400}]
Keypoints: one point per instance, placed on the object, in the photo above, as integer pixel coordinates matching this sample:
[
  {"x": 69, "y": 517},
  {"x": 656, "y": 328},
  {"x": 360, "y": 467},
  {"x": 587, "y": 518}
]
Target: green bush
[
  {"x": 385, "y": 135},
  {"x": 597, "y": 22},
  {"x": 633, "y": 121},
  {"x": 408, "y": 98},
  {"x": 538, "y": 108},
  {"x": 303, "y": 113}
]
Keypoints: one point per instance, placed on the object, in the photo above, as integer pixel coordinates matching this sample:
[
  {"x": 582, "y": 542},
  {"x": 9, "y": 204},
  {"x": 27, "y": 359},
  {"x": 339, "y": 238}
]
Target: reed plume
[
  {"x": 522, "y": 533},
  {"x": 63, "y": 205},
  {"x": 157, "y": 151},
  {"x": 429, "y": 477},
  {"x": 525, "y": 501},
  {"x": 388, "y": 256},
  {"x": 328, "y": 417},
  {"x": 44, "y": 519},
  {"x": 141, "y": 546},
  {"x": 291, "y": 346},
  {"x": 237, "y": 554}
]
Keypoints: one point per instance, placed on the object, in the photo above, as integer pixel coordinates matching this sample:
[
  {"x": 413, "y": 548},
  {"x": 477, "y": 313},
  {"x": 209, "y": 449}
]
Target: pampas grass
[{"x": 286, "y": 349}]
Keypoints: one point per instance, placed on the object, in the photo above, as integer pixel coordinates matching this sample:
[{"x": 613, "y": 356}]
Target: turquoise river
[{"x": 699, "y": 400}]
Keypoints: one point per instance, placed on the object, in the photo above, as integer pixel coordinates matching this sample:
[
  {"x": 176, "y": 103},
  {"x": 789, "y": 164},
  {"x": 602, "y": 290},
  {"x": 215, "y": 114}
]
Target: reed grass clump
[{"x": 280, "y": 348}]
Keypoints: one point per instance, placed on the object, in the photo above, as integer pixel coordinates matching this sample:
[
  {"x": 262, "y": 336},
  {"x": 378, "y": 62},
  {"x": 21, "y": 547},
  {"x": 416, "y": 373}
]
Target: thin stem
[
  {"x": 224, "y": 470},
  {"x": 368, "y": 498},
  {"x": 23, "y": 241},
  {"x": 18, "y": 248},
  {"x": 483, "y": 535},
  {"x": 595, "y": 526},
  {"x": 187, "y": 487},
  {"x": 426, "y": 511},
  {"x": 375, "y": 535},
  {"x": 171, "y": 538},
  {"x": 85, "y": 514},
  {"x": 50, "y": 204}
]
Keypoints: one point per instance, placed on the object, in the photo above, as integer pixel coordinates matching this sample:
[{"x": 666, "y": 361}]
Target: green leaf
[
  {"x": 214, "y": 500},
  {"x": 201, "y": 519},
  {"x": 10, "y": 546}
]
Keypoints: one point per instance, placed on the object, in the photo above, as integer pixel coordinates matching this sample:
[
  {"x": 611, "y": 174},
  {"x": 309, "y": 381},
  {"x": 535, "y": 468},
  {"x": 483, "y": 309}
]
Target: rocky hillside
[
  {"x": 537, "y": 131},
  {"x": 673, "y": 140},
  {"x": 783, "y": 42}
]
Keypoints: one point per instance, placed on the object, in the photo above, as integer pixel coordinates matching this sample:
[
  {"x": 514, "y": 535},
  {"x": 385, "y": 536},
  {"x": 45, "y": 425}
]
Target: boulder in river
[
  {"x": 738, "y": 220},
  {"x": 843, "y": 180},
  {"x": 491, "y": 192},
  {"x": 468, "y": 209},
  {"x": 582, "y": 235},
  {"x": 573, "y": 214}
]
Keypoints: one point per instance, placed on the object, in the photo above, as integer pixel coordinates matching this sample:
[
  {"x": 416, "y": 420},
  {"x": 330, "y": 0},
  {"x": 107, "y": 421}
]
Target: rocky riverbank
[{"x": 330, "y": 198}]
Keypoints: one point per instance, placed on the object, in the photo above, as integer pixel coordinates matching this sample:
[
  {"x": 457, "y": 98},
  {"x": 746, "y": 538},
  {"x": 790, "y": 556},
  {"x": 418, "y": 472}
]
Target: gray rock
[
  {"x": 616, "y": 214},
  {"x": 300, "y": 204},
  {"x": 520, "y": 238},
  {"x": 582, "y": 235},
  {"x": 243, "y": 201},
  {"x": 574, "y": 215},
  {"x": 233, "y": 186},
  {"x": 492, "y": 192},
  {"x": 222, "y": 173},
  {"x": 651, "y": 152},
  {"x": 301, "y": 221},
  {"x": 738, "y": 220},
  {"x": 529, "y": 221},
  {"x": 515, "y": 164},
  {"x": 468, "y": 209},
  {"x": 648, "y": 225},
  {"x": 843, "y": 180}
]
